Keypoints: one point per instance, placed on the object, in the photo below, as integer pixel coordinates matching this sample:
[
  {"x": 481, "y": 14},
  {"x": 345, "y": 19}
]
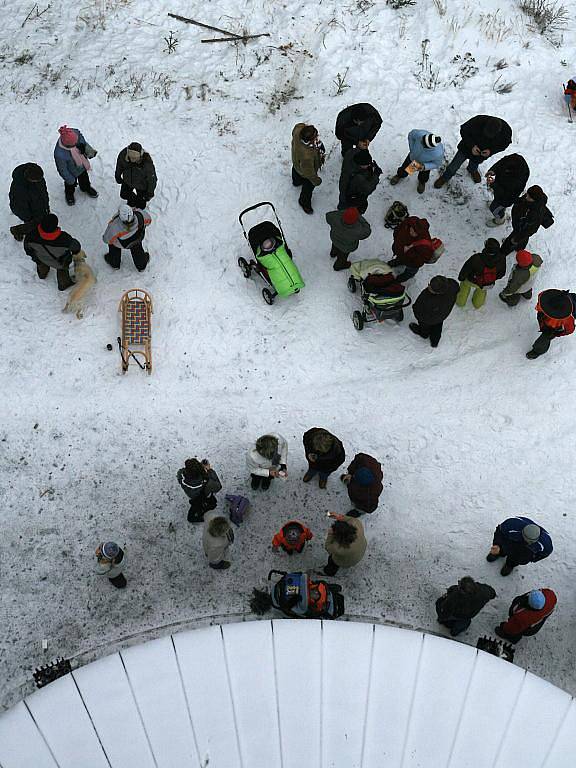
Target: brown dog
[{"x": 85, "y": 279}]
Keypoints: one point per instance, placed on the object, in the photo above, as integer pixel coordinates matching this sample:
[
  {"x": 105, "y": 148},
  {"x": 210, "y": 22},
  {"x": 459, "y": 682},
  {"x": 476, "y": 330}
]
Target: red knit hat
[
  {"x": 350, "y": 215},
  {"x": 68, "y": 136},
  {"x": 524, "y": 259}
]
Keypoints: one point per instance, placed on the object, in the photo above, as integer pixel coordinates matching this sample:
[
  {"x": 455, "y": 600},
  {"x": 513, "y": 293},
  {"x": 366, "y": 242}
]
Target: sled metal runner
[{"x": 136, "y": 340}]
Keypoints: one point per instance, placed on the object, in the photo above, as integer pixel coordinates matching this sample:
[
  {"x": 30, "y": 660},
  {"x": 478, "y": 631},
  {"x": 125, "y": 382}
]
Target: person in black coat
[
  {"x": 461, "y": 603},
  {"x": 507, "y": 179},
  {"x": 482, "y": 137},
  {"x": 432, "y": 308},
  {"x": 529, "y": 213},
  {"x": 358, "y": 179},
  {"x": 199, "y": 482},
  {"x": 357, "y": 125},
  {"x": 136, "y": 174},
  {"x": 324, "y": 453},
  {"x": 29, "y": 199},
  {"x": 51, "y": 248}
]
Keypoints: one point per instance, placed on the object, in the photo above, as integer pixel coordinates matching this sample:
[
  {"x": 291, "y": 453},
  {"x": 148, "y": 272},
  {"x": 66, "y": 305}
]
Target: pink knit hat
[{"x": 68, "y": 136}]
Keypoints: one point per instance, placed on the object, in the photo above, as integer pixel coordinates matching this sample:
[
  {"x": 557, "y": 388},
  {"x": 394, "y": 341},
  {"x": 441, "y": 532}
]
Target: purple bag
[{"x": 237, "y": 506}]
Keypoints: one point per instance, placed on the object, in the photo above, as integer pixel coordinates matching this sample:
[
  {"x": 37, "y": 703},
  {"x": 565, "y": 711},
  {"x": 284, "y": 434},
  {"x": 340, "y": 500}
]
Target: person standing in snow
[
  {"x": 356, "y": 126},
  {"x": 529, "y": 213},
  {"x": 413, "y": 247},
  {"x": 358, "y": 179},
  {"x": 521, "y": 541},
  {"x": 29, "y": 199},
  {"x": 461, "y": 603},
  {"x": 72, "y": 155},
  {"x": 555, "y": 312},
  {"x": 51, "y": 248},
  {"x": 522, "y": 277},
  {"x": 217, "y": 538},
  {"x": 307, "y": 158},
  {"x": 126, "y": 230},
  {"x": 347, "y": 228},
  {"x": 136, "y": 174},
  {"x": 266, "y": 459},
  {"x": 527, "y": 614},
  {"x": 507, "y": 179},
  {"x": 432, "y": 308},
  {"x": 324, "y": 454},
  {"x": 111, "y": 563},
  {"x": 426, "y": 154},
  {"x": 199, "y": 482},
  {"x": 345, "y": 543},
  {"x": 363, "y": 479},
  {"x": 480, "y": 272},
  {"x": 481, "y": 137}
]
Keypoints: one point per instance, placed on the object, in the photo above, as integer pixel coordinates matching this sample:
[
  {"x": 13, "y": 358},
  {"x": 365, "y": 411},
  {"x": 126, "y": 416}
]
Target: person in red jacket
[
  {"x": 527, "y": 614},
  {"x": 413, "y": 247},
  {"x": 364, "y": 481},
  {"x": 555, "y": 317},
  {"x": 292, "y": 537}
]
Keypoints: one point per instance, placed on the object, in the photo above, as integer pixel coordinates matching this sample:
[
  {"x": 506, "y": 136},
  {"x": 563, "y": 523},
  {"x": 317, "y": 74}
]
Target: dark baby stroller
[
  {"x": 272, "y": 260},
  {"x": 299, "y": 597},
  {"x": 383, "y": 297}
]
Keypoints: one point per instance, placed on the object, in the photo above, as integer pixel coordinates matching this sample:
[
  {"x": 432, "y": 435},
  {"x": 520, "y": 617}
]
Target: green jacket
[
  {"x": 522, "y": 279},
  {"x": 346, "y": 237},
  {"x": 306, "y": 160},
  {"x": 282, "y": 271}
]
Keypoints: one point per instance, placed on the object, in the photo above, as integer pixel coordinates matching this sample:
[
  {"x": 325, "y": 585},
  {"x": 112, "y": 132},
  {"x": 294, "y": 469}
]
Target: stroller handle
[
  {"x": 281, "y": 573},
  {"x": 253, "y": 207}
]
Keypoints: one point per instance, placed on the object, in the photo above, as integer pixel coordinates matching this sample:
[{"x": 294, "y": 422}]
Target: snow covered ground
[{"x": 468, "y": 434}]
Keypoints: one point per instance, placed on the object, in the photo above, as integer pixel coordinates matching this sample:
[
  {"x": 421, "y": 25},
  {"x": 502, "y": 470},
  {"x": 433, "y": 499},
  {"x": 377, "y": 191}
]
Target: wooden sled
[{"x": 136, "y": 340}]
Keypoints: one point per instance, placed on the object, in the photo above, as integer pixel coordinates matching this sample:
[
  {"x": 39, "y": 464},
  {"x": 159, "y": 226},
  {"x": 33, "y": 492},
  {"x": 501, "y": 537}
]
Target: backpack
[{"x": 237, "y": 507}]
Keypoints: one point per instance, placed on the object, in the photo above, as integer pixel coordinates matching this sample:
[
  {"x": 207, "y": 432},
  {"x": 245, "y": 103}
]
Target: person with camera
[
  {"x": 72, "y": 155},
  {"x": 199, "y": 482},
  {"x": 111, "y": 561}
]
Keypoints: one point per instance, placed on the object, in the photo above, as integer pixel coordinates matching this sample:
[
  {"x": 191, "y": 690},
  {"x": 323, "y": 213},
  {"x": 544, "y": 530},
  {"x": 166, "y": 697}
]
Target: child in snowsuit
[
  {"x": 364, "y": 482},
  {"x": 292, "y": 537},
  {"x": 217, "y": 538},
  {"x": 358, "y": 179},
  {"x": 529, "y": 213},
  {"x": 433, "y": 307},
  {"x": 527, "y": 615},
  {"x": 413, "y": 247},
  {"x": 481, "y": 272},
  {"x": 29, "y": 199},
  {"x": 111, "y": 562},
  {"x": 307, "y": 158},
  {"x": 425, "y": 155},
  {"x": 267, "y": 459},
  {"x": 324, "y": 453},
  {"x": 345, "y": 543},
  {"x": 199, "y": 482},
  {"x": 507, "y": 179},
  {"x": 461, "y": 603},
  {"x": 521, "y": 541},
  {"x": 72, "y": 155},
  {"x": 136, "y": 174},
  {"x": 522, "y": 277},
  {"x": 347, "y": 228},
  {"x": 126, "y": 230},
  {"x": 555, "y": 312},
  {"x": 357, "y": 125}
]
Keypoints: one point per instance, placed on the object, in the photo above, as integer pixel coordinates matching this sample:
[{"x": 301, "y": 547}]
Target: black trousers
[
  {"x": 346, "y": 144},
  {"x": 542, "y": 343},
  {"x": 139, "y": 256},
  {"x": 423, "y": 176},
  {"x": 331, "y": 569},
  {"x": 517, "y": 556},
  {"x": 432, "y": 332},
  {"x": 133, "y": 197},
  {"x": 508, "y": 246},
  {"x": 62, "y": 275},
  {"x": 83, "y": 181},
  {"x": 305, "y": 198}
]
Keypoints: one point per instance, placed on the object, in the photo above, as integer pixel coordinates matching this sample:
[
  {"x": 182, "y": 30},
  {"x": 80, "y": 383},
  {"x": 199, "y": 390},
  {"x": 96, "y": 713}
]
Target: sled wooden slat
[{"x": 136, "y": 341}]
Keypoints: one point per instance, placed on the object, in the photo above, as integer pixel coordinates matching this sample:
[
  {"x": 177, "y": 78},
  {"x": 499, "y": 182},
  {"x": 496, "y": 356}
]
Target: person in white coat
[{"x": 266, "y": 459}]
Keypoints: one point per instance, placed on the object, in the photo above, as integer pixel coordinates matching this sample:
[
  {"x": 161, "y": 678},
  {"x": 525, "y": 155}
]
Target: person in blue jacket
[
  {"x": 426, "y": 154},
  {"x": 72, "y": 155},
  {"x": 521, "y": 541}
]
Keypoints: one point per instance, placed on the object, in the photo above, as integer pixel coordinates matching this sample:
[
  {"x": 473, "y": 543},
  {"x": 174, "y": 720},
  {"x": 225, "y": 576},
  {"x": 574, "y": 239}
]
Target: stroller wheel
[
  {"x": 268, "y": 296},
  {"x": 358, "y": 320},
  {"x": 244, "y": 266},
  {"x": 351, "y": 284},
  {"x": 400, "y": 316}
]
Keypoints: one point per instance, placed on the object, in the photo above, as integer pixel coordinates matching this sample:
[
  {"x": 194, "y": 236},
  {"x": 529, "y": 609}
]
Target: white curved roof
[{"x": 294, "y": 694}]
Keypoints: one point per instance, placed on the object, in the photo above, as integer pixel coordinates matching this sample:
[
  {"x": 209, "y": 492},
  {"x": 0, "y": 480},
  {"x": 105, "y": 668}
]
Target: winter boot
[
  {"x": 91, "y": 192},
  {"x": 394, "y": 179},
  {"x": 415, "y": 328},
  {"x": 476, "y": 178},
  {"x": 532, "y": 355},
  {"x": 506, "y": 570},
  {"x": 109, "y": 260},
  {"x": 341, "y": 263},
  {"x": 421, "y": 187},
  {"x": 322, "y": 483},
  {"x": 118, "y": 581},
  {"x": 69, "y": 194},
  {"x": 440, "y": 182},
  {"x": 495, "y": 221},
  {"x": 308, "y": 476},
  {"x": 306, "y": 208},
  {"x": 221, "y": 566}
]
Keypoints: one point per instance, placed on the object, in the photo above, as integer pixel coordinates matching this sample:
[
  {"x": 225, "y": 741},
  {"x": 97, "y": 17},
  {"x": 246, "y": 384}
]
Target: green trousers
[{"x": 478, "y": 297}]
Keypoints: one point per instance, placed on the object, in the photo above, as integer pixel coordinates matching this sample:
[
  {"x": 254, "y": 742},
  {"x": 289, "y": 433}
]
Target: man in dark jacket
[
  {"x": 432, "y": 308},
  {"x": 136, "y": 173},
  {"x": 461, "y": 603},
  {"x": 358, "y": 179},
  {"x": 347, "y": 228},
  {"x": 364, "y": 481},
  {"x": 357, "y": 125},
  {"x": 529, "y": 213},
  {"x": 29, "y": 199},
  {"x": 324, "y": 453},
  {"x": 555, "y": 313},
  {"x": 480, "y": 272},
  {"x": 521, "y": 541},
  {"x": 507, "y": 179},
  {"x": 199, "y": 482},
  {"x": 51, "y": 248},
  {"x": 482, "y": 137},
  {"x": 527, "y": 615}
]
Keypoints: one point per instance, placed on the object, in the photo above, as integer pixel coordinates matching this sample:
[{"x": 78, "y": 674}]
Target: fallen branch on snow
[{"x": 230, "y": 36}]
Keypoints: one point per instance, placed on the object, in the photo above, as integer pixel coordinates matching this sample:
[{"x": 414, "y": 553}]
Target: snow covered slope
[{"x": 468, "y": 434}]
